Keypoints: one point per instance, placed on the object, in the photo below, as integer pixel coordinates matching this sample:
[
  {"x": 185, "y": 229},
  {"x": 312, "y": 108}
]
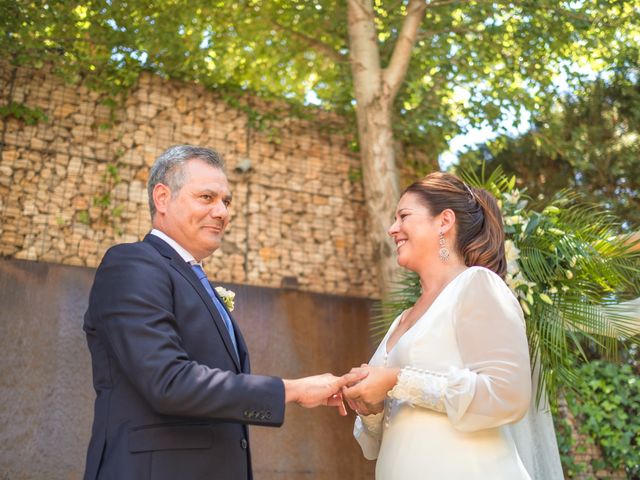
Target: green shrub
[{"x": 607, "y": 410}]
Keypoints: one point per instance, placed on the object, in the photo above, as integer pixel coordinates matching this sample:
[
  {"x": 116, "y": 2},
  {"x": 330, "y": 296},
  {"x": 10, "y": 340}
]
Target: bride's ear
[{"x": 447, "y": 220}]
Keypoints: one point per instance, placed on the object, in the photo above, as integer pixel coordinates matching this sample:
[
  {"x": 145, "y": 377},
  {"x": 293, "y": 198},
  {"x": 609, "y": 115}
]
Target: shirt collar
[{"x": 186, "y": 256}]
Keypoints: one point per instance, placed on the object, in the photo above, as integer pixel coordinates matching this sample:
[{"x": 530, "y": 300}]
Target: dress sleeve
[
  {"x": 368, "y": 428},
  {"x": 494, "y": 386},
  {"x": 368, "y": 433}
]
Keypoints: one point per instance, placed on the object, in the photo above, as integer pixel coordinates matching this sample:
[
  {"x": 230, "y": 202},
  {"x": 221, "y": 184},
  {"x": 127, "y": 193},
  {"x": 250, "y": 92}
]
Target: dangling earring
[{"x": 444, "y": 251}]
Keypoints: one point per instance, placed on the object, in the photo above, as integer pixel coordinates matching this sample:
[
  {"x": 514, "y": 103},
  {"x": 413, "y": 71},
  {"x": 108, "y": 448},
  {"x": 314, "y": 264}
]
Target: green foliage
[
  {"x": 19, "y": 111},
  {"x": 110, "y": 212},
  {"x": 355, "y": 175},
  {"x": 607, "y": 409},
  {"x": 474, "y": 61},
  {"x": 591, "y": 142},
  {"x": 404, "y": 294},
  {"x": 568, "y": 269},
  {"x": 83, "y": 217}
]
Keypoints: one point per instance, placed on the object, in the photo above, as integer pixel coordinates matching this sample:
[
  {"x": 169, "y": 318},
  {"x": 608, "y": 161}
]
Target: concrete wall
[{"x": 46, "y": 396}]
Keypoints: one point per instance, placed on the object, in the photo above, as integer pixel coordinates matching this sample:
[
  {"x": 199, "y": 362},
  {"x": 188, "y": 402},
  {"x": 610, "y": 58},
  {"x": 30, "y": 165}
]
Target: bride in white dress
[{"x": 452, "y": 376}]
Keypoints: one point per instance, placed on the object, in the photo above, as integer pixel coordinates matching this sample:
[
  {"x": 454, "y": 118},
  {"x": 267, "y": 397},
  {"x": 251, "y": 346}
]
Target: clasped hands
[
  {"x": 366, "y": 395},
  {"x": 364, "y": 388}
]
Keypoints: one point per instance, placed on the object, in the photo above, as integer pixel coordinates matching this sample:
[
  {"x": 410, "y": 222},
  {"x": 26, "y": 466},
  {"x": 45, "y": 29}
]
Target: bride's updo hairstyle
[{"x": 479, "y": 231}]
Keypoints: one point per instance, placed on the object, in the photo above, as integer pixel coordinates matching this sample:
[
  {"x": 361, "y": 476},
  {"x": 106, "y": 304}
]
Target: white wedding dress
[{"x": 465, "y": 376}]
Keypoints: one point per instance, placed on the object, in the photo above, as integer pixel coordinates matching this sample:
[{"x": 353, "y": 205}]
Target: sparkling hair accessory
[{"x": 473, "y": 195}]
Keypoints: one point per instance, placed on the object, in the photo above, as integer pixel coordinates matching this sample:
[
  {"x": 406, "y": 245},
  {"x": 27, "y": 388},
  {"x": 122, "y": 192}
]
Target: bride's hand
[
  {"x": 362, "y": 408},
  {"x": 368, "y": 395}
]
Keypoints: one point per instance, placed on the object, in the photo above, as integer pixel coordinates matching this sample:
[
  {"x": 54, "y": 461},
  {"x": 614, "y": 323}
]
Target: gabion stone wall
[{"x": 74, "y": 184}]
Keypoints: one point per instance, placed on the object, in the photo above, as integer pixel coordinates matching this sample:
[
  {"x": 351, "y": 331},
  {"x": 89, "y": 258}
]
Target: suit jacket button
[{"x": 243, "y": 443}]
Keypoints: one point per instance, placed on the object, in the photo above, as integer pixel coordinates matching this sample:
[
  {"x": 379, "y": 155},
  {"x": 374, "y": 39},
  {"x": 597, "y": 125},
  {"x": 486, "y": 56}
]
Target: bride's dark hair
[{"x": 480, "y": 234}]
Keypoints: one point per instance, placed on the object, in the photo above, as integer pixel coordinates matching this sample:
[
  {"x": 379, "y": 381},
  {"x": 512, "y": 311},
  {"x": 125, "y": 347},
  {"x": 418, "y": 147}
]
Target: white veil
[{"x": 535, "y": 438}]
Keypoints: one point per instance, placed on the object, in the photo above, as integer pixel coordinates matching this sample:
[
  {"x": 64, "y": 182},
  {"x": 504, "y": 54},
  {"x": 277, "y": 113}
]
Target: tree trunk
[
  {"x": 375, "y": 90},
  {"x": 381, "y": 184}
]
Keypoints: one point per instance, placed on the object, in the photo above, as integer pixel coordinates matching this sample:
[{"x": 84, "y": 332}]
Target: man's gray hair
[{"x": 168, "y": 168}]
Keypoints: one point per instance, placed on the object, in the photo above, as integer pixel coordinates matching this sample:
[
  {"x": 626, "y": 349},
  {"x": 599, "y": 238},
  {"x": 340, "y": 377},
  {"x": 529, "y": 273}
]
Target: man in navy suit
[{"x": 174, "y": 394}]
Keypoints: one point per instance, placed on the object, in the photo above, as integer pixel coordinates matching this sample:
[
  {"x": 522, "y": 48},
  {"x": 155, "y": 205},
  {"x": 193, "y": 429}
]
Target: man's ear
[
  {"x": 161, "y": 197},
  {"x": 447, "y": 220}
]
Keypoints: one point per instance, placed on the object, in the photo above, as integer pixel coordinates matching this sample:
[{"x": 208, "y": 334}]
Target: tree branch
[
  {"x": 432, "y": 33},
  {"x": 443, "y": 3},
  {"x": 394, "y": 74},
  {"x": 314, "y": 43},
  {"x": 570, "y": 14},
  {"x": 363, "y": 50}
]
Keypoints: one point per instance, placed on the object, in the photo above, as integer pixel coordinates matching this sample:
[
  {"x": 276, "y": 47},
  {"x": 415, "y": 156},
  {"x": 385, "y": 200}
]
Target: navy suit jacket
[{"x": 172, "y": 399}]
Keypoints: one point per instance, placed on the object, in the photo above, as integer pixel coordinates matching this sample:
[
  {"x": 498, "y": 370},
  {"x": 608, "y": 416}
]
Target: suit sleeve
[{"x": 131, "y": 310}]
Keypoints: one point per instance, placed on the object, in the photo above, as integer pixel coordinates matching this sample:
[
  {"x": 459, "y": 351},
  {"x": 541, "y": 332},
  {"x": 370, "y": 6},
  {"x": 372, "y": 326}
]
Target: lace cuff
[
  {"x": 421, "y": 388},
  {"x": 372, "y": 424}
]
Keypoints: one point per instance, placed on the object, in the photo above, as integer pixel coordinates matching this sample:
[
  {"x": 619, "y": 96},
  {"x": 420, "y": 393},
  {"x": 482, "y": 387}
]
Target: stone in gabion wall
[{"x": 72, "y": 186}]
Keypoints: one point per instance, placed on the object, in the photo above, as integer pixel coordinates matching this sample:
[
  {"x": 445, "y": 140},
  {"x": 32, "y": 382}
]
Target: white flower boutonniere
[{"x": 227, "y": 297}]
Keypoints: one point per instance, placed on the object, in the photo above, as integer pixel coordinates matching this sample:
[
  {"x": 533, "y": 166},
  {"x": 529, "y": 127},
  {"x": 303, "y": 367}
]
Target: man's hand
[
  {"x": 367, "y": 396},
  {"x": 325, "y": 389}
]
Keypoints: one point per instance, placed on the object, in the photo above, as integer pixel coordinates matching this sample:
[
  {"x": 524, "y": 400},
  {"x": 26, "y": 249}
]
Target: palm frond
[{"x": 401, "y": 296}]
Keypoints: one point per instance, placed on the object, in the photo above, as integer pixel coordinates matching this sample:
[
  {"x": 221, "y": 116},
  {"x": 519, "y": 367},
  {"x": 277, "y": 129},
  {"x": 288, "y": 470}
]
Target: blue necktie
[{"x": 221, "y": 310}]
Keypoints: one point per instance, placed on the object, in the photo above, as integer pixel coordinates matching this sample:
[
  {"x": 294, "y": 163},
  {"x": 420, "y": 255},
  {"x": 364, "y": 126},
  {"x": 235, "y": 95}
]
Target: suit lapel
[{"x": 178, "y": 263}]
